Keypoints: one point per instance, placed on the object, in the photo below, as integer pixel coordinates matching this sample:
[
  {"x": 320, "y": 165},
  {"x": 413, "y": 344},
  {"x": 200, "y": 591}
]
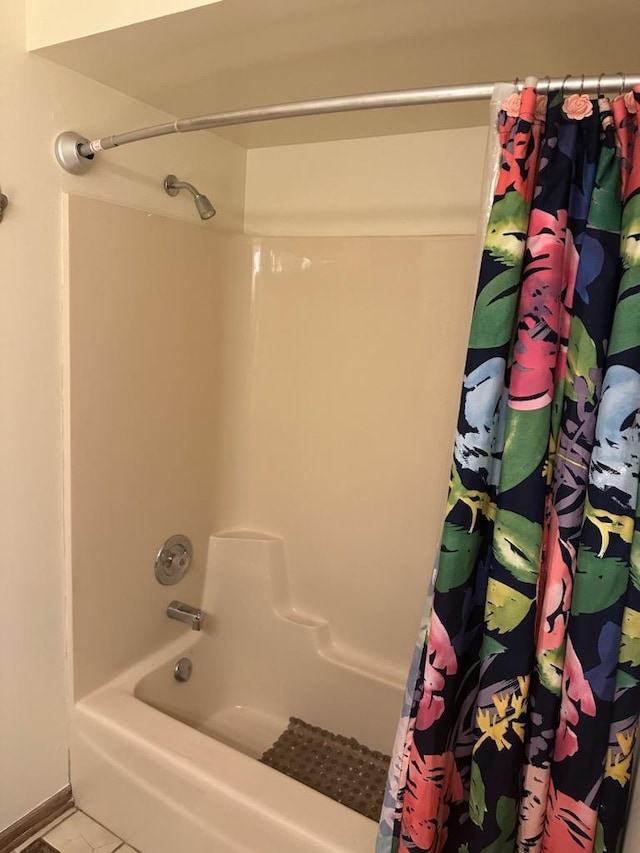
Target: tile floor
[{"x": 76, "y": 832}]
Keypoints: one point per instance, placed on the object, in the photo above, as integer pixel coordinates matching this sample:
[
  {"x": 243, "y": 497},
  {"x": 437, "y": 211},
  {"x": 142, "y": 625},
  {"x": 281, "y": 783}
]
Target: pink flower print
[
  {"x": 431, "y": 705},
  {"x": 535, "y": 353},
  {"x": 578, "y": 106},
  {"x": 441, "y": 660},
  {"x": 553, "y": 612},
  {"x": 533, "y": 805},
  {"x": 578, "y": 692},
  {"x": 433, "y": 782},
  {"x": 570, "y": 273},
  {"x": 541, "y": 107},
  {"x": 570, "y": 824},
  {"x": 512, "y": 104},
  {"x": 421, "y": 831},
  {"x": 630, "y": 102}
]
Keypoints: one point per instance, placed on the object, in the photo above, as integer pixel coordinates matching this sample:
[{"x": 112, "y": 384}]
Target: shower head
[
  {"x": 172, "y": 187},
  {"x": 204, "y": 206}
]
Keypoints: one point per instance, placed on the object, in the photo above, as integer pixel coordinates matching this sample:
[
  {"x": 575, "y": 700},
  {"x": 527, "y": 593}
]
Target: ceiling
[{"x": 242, "y": 53}]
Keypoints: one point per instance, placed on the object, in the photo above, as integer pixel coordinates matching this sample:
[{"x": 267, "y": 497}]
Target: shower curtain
[{"x": 522, "y": 704}]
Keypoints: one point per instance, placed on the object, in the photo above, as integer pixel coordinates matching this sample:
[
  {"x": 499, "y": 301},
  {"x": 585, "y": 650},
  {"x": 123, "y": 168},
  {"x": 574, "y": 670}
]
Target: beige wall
[
  {"x": 53, "y": 22},
  {"x": 419, "y": 183},
  {"x": 38, "y": 100},
  {"x": 145, "y": 297},
  {"x": 343, "y": 363}
]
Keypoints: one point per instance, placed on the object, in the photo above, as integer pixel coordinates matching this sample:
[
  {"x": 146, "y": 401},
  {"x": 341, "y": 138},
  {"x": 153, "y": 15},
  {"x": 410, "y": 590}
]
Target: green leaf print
[
  {"x": 491, "y": 647},
  {"x": 635, "y": 557},
  {"x": 506, "y": 231},
  {"x": 516, "y": 544},
  {"x": 550, "y": 666},
  {"x": 506, "y": 820},
  {"x": 630, "y": 237},
  {"x": 494, "y": 313},
  {"x": 599, "y": 846},
  {"x": 630, "y": 639},
  {"x": 582, "y": 358},
  {"x": 506, "y": 815},
  {"x": 505, "y": 607},
  {"x": 605, "y": 207},
  {"x": 477, "y": 801},
  {"x": 625, "y": 333},
  {"x": 457, "y": 556},
  {"x": 624, "y": 680},
  {"x": 521, "y": 460},
  {"x": 598, "y": 583}
]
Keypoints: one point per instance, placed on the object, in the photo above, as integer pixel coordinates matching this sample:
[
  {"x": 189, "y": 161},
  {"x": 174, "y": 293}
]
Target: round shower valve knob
[{"x": 173, "y": 559}]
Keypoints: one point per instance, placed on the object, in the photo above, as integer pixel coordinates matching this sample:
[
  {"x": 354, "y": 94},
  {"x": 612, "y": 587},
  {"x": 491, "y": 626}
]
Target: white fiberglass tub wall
[
  {"x": 260, "y": 661},
  {"x": 167, "y": 786}
]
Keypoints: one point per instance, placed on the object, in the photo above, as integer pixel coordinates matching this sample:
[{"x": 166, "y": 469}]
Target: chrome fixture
[
  {"x": 75, "y": 152},
  {"x": 4, "y": 203},
  {"x": 173, "y": 559},
  {"x": 182, "y": 670},
  {"x": 172, "y": 187},
  {"x": 185, "y": 613}
]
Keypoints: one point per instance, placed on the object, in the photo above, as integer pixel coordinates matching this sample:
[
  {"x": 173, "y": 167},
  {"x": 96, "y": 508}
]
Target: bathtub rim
[{"x": 148, "y": 734}]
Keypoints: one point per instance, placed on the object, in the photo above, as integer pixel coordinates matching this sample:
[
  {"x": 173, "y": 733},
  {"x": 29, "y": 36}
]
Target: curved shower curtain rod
[{"x": 75, "y": 152}]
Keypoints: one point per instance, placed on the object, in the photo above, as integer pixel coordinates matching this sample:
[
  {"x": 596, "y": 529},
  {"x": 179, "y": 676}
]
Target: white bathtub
[{"x": 172, "y": 767}]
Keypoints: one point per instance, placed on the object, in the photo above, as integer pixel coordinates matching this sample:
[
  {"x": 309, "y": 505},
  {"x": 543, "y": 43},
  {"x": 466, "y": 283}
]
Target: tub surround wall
[
  {"x": 349, "y": 353},
  {"x": 306, "y": 387},
  {"x": 145, "y": 358},
  {"x": 261, "y": 660},
  {"x": 345, "y": 340}
]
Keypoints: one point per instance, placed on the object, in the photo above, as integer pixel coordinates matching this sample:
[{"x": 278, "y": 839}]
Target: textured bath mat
[
  {"x": 40, "y": 846},
  {"x": 337, "y": 766}
]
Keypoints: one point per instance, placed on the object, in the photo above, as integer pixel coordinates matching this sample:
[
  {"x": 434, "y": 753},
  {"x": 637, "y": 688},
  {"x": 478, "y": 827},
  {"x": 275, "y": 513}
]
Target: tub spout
[{"x": 185, "y": 613}]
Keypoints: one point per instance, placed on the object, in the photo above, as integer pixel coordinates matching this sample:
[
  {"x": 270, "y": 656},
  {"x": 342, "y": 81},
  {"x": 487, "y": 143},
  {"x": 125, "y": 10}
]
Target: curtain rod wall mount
[
  {"x": 75, "y": 152},
  {"x": 68, "y": 155}
]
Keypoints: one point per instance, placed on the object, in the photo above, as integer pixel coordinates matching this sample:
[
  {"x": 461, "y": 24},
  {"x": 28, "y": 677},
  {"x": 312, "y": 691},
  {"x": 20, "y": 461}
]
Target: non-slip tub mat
[
  {"x": 337, "y": 766},
  {"x": 40, "y": 846}
]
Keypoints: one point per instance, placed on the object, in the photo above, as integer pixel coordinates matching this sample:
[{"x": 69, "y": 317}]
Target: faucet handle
[{"x": 185, "y": 613}]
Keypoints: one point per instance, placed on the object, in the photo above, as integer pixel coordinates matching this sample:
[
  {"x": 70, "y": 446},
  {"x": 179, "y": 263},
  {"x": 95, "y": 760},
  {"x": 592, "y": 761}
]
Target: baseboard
[{"x": 31, "y": 823}]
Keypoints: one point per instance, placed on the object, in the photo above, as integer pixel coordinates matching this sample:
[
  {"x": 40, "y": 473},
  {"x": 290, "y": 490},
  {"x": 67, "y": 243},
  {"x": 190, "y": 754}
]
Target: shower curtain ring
[
  {"x": 564, "y": 83},
  {"x": 582, "y": 85},
  {"x": 548, "y": 79},
  {"x": 623, "y": 83},
  {"x": 600, "y": 94},
  {"x": 516, "y": 82}
]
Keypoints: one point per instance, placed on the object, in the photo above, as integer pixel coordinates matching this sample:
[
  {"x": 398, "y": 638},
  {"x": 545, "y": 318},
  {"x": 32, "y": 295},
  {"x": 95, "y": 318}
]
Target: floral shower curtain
[{"x": 522, "y": 703}]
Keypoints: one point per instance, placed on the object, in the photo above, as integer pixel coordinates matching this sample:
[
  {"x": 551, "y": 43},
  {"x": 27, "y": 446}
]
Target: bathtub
[{"x": 173, "y": 767}]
